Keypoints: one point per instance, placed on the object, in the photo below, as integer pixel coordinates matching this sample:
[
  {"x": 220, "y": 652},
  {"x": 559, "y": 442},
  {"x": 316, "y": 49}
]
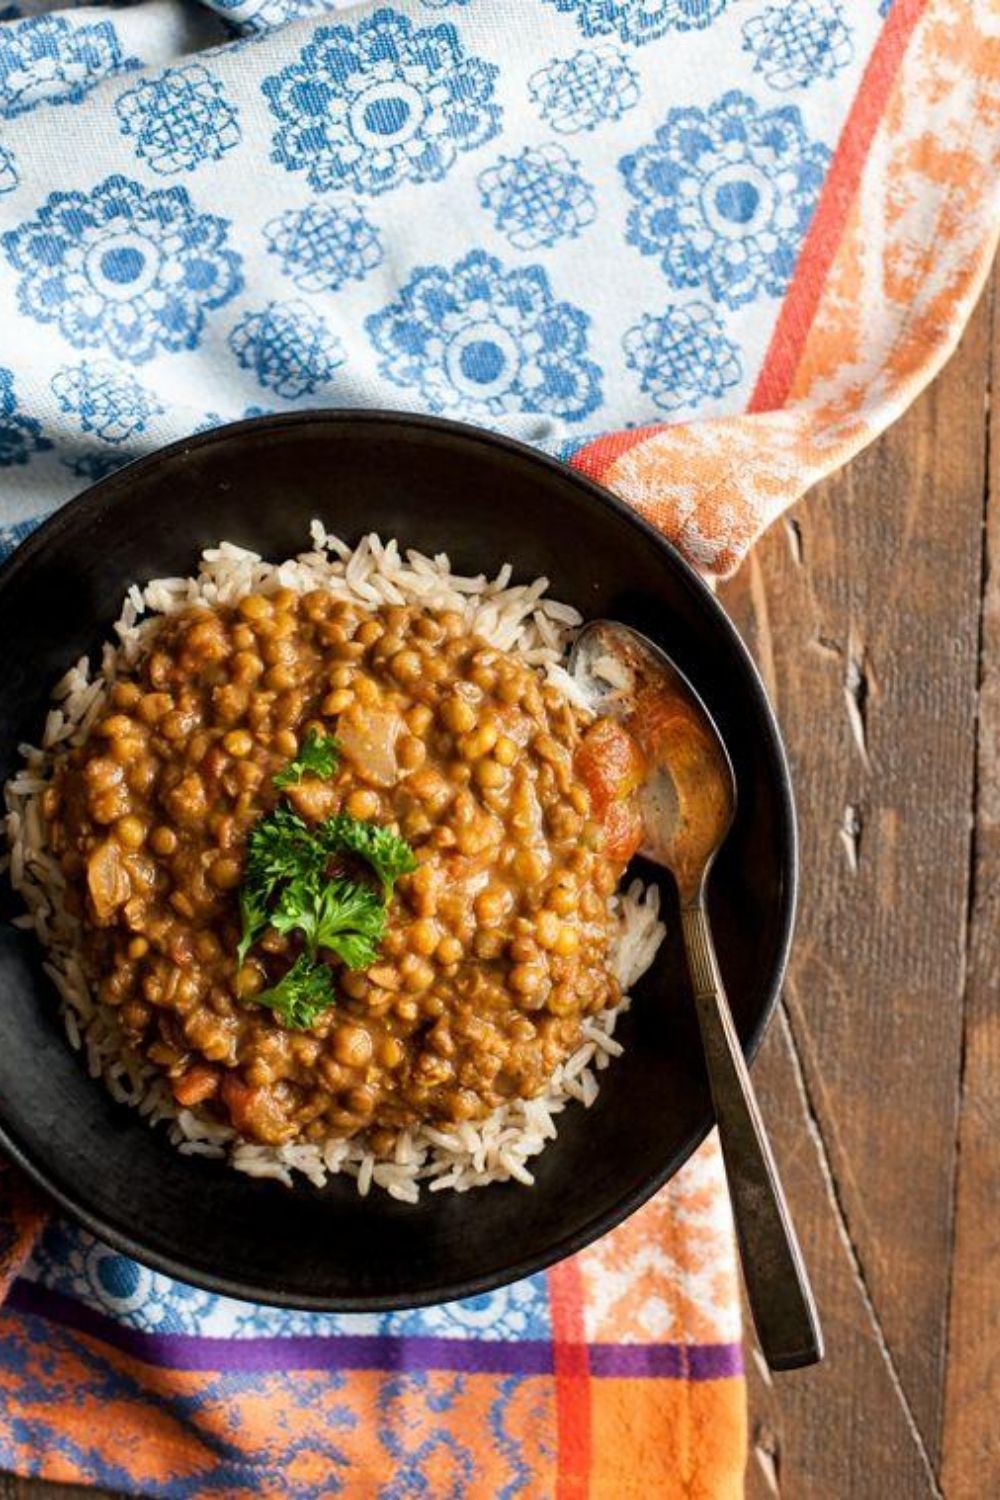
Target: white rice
[{"x": 511, "y": 617}]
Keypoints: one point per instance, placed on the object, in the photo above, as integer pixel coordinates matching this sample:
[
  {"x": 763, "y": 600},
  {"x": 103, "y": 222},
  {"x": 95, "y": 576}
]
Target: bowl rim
[{"x": 91, "y": 501}]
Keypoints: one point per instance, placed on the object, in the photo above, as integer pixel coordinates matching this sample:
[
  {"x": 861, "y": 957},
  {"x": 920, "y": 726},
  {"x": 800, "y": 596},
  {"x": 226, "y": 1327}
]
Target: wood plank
[
  {"x": 972, "y": 1431},
  {"x": 863, "y": 613},
  {"x": 838, "y": 1432}
]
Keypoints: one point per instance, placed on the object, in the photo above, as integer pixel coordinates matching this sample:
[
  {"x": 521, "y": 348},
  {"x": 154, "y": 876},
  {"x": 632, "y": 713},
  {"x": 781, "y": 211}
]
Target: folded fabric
[
  {"x": 616, "y": 1373},
  {"x": 702, "y": 249}
]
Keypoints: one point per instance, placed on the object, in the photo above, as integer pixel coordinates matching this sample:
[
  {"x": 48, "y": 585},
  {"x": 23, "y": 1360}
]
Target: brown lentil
[{"x": 497, "y": 945}]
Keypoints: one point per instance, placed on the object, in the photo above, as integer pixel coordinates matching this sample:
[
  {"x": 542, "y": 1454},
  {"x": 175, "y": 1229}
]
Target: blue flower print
[
  {"x": 179, "y": 119},
  {"x": 20, "y": 436},
  {"x": 105, "y": 400},
  {"x": 289, "y": 348},
  {"x": 13, "y": 536},
  {"x": 682, "y": 358},
  {"x": 421, "y": 1448},
  {"x": 484, "y": 341},
  {"x": 250, "y": 1320},
  {"x": 724, "y": 196},
  {"x": 263, "y": 15},
  {"x": 213, "y": 419},
  {"x": 518, "y": 1311},
  {"x": 8, "y": 171},
  {"x": 580, "y": 92},
  {"x": 640, "y": 21},
  {"x": 538, "y": 197},
  {"x": 371, "y": 107},
  {"x": 796, "y": 43},
  {"x": 51, "y": 60},
  {"x": 126, "y": 267},
  {"x": 72, "y": 1262},
  {"x": 97, "y": 463},
  {"x": 321, "y": 248}
]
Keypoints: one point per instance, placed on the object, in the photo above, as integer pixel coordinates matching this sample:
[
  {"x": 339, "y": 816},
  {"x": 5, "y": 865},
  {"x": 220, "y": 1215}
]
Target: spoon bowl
[{"x": 688, "y": 800}]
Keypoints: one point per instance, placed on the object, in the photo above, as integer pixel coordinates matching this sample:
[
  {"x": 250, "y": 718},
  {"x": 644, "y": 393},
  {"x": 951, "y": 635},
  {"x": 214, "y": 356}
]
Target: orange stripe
[
  {"x": 572, "y": 1371},
  {"x": 827, "y": 227},
  {"x": 669, "y": 1439}
]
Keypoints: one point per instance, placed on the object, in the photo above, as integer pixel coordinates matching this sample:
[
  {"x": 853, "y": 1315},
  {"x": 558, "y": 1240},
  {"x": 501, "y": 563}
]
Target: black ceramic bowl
[{"x": 436, "y": 486}]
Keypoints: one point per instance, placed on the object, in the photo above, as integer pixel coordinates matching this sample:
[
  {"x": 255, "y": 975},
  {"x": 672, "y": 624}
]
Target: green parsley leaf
[
  {"x": 285, "y": 884},
  {"x": 319, "y": 755},
  {"x": 253, "y": 914},
  {"x": 340, "y": 915},
  {"x": 300, "y": 995},
  {"x": 280, "y": 848},
  {"x": 389, "y": 855}
]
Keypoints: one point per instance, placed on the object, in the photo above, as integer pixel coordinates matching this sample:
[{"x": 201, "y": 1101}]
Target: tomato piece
[
  {"x": 255, "y": 1112},
  {"x": 623, "y": 830},
  {"x": 195, "y": 1085},
  {"x": 609, "y": 763},
  {"x": 612, "y": 768}
]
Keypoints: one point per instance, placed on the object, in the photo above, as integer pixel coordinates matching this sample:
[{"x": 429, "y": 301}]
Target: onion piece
[
  {"x": 367, "y": 738},
  {"x": 108, "y": 881}
]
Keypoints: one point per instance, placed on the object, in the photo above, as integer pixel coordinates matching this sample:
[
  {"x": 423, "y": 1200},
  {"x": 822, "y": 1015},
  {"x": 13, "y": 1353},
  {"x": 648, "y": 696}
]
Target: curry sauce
[{"x": 517, "y": 808}]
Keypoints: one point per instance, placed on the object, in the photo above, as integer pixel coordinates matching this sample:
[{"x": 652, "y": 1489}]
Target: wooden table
[{"x": 874, "y": 614}]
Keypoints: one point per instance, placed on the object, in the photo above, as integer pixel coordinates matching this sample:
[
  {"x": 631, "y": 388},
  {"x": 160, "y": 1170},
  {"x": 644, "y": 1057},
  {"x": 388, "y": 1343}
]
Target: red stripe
[
  {"x": 595, "y": 459},
  {"x": 825, "y": 232},
  {"x": 572, "y": 1371}
]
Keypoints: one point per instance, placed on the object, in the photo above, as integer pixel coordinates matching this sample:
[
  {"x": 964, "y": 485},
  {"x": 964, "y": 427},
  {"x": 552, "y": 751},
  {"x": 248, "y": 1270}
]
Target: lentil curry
[{"x": 518, "y": 810}]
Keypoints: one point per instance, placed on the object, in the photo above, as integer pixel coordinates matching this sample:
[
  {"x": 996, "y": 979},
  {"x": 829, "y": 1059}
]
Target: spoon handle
[{"x": 781, "y": 1299}]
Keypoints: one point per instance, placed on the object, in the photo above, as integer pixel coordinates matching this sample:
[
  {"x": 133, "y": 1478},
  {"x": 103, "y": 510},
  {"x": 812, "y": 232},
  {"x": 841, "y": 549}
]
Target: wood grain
[
  {"x": 840, "y": 1431},
  {"x": 971, "y": 1466},
  {"x": 863, "y": 612}
]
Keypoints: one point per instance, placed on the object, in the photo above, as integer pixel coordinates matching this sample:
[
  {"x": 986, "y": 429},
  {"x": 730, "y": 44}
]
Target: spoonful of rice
[{"x": 687, "y": 801}]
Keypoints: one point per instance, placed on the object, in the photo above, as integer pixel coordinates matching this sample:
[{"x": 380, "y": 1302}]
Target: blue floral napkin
[{"x": 552, "y": 216}]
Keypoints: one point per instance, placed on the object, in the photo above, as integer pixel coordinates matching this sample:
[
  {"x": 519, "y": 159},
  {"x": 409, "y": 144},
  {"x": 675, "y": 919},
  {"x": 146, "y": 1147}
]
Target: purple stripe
[
  {"x": 666, "y": 1361},
  {"x": 182, "y": 1351}
]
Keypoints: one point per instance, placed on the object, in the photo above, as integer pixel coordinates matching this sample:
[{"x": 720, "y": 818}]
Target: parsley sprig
[
  {"x": 341, "y": 916},
  {"x": 389, "y": 855},
  {"x": 287, "y": 886},
  {"x": 319, "y": 755},
  {"x": 300, "y": 995},
  {"x": 280, "y": 849}
]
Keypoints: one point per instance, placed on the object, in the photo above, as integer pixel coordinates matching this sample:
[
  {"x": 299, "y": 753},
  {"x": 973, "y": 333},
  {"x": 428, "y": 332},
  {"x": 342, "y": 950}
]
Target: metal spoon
[{"x": 688, "y": 801}]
